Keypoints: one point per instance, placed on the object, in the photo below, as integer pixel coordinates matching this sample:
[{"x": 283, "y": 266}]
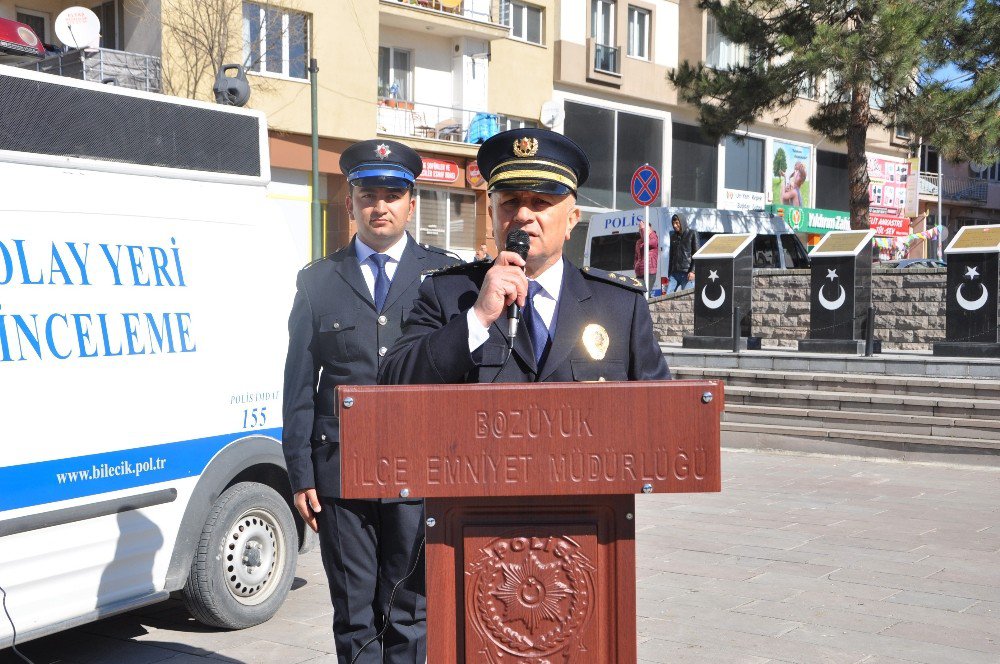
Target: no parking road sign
[{"x": 645, "y": 185}]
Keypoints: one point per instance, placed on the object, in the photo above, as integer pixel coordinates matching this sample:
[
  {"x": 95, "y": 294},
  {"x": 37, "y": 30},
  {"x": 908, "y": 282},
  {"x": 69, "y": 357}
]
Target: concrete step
[
  {"x": 861, "y": 443},
  {"x": 848, "y": 382},
  {"x": 895, "y": 364},
  {"x": 765, "y": 417},
  {"x": 980, "y": 409}
]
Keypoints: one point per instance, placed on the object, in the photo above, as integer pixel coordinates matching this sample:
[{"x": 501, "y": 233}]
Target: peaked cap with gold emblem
[{"x": 533, "y": 160}]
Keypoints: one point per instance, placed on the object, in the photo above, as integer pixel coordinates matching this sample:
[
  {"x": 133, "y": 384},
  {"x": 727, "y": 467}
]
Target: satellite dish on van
[{"x": 78, "y": 27}]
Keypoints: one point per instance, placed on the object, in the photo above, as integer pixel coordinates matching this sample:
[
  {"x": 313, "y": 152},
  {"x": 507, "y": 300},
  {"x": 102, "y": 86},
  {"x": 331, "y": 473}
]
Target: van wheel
[{"x": 245, "y": 561}]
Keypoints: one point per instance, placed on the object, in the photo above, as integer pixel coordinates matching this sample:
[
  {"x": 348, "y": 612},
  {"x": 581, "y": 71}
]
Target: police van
[
  {"x": 144, "y": 291},
  {"x": 612, "y": 237}
]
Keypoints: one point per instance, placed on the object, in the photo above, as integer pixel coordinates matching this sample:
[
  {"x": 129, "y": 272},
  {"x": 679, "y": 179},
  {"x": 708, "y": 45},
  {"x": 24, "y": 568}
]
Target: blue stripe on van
[{"x": 62, "y": 479}]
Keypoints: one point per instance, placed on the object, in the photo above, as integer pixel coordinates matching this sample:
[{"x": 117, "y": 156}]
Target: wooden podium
[{"x": 530, "y": 502}]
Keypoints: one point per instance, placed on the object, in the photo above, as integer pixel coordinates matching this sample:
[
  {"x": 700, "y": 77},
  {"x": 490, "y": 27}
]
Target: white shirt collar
[
  {"x": 551, "y": 279},
  {"x": 395, "y": 252}
]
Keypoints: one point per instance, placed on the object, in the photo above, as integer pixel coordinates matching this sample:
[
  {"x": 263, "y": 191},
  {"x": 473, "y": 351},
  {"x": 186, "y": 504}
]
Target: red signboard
[
  {"x": 472, "y": 174},
  {"x": 439, "y": 170},
  {"x": 889, "y": 226}
]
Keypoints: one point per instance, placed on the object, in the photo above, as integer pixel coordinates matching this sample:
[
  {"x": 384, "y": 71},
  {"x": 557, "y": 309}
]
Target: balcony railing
[
  {"x": 606, "y": 58},
  {"x": 136, "y": 71},
  {"x": 484, "y": 11},
  {"x": 442, "y": 123},
  {"x": 954, "y": 188}
]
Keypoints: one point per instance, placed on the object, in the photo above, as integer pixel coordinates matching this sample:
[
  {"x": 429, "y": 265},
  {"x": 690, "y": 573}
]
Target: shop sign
[
  {"x": 812, "y": 220},
  {"x": 887, "y": 187},
  {"x": 472, "y": 174},
  {"x": 439, "y": 170},
  {"x": 886, "y": 225},
  {"x": 736, "y": 199}
]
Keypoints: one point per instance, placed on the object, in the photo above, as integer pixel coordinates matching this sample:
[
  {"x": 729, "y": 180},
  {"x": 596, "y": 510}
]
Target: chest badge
[{"x": 596, "y": 341}]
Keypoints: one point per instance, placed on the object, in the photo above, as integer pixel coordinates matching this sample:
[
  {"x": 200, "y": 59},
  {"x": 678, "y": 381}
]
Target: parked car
[{"x": 914, "y": 262}]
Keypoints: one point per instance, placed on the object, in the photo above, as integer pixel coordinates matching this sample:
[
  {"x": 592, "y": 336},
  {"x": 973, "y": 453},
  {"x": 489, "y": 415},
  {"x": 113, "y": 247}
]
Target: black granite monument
[
  {"x": 723, "y": 284},
  {"x": 972, "y": 310},
  {"x": 840, "y": 293}
]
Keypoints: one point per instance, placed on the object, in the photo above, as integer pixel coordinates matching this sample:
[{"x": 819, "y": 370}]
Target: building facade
[{"x": 443, "y": 75}]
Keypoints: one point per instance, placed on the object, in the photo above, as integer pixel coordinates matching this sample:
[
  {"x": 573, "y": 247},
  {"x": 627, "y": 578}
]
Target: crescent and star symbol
[
  {"x": 713, "y": 276},
  {"x": 971, "y": 305},
  {"x": 832, "y": 305}
]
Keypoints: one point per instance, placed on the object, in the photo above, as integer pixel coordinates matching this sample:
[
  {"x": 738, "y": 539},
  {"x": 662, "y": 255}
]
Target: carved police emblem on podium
[
  {"x": 723, "y": 284},
  {"x": 840, "y": 293},
  {"x": 971, "y": 311}
]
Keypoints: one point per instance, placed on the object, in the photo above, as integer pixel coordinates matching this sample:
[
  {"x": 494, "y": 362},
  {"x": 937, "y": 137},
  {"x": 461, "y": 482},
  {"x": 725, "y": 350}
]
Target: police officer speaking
[
  {"x": 578, "y": 325},
  {"x": 348, "y": 310}
]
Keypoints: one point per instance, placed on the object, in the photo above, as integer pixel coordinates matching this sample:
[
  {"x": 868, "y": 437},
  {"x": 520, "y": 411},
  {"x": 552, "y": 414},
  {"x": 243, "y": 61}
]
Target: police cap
[
  {"x": 381, "y": 163},
  {"x": 533, "y": 160}
]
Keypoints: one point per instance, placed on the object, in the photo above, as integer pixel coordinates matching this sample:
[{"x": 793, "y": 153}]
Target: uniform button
[
  {"x": 336, "y": 326},
  {"x": 601, "y": 379},
  {"x": 381, "y": 351},
  {"x": 322, "y": 436},
  {"x": 382, "y": 320}
]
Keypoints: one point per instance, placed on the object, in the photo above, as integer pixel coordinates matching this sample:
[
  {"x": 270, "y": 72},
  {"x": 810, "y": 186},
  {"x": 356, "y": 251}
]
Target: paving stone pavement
[{"x": 800, "y": 559}]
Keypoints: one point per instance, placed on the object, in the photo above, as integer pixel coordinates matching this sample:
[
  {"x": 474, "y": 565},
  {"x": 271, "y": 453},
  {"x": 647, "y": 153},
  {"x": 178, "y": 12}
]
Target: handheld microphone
[{"x": 518, "y": 242}]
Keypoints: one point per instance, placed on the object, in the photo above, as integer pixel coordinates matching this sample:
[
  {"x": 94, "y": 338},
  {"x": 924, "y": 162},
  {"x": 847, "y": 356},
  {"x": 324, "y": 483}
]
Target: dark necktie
[
  {"x": 536, "y": 326},
  {"x": 381, "y": 280}
]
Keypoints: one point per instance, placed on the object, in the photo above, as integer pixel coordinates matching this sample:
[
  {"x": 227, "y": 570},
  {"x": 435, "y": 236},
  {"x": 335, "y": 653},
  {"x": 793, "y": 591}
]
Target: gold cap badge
[
  {"x": 525, "y": 147},
  {"x": 596, "y": 341}
]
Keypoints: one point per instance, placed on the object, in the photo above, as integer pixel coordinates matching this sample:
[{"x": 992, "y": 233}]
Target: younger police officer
[{"x": 348, "y": 310}]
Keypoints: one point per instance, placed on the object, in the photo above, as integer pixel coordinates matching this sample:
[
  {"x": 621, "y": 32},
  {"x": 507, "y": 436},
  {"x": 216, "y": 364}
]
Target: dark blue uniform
[
  {"x": 434, "y": 347},
  {"x": 337, "y": 337}
]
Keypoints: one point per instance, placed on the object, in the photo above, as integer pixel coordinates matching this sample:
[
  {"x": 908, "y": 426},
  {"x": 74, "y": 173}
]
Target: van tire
[{"x": 245, "y": 562}]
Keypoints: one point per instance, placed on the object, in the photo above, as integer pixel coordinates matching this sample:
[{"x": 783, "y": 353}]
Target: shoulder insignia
[
  {"x": 443, "y": 252},
  {"x": 621, "y": 280},
  {"x": 460, "y": 268}
]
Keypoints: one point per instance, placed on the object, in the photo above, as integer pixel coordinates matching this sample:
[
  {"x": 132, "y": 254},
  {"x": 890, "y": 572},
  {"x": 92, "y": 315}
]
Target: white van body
[
  {"x": 611, "y": 237},
  {"x": 143, "y": 311}
]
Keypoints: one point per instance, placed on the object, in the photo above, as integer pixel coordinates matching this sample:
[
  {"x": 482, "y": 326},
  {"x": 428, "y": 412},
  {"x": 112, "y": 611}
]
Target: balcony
[
  {"x": 136, "y": 71},
  {"x": 442, "y": 123},
  {"x": 603, "y": 63},
  {"x": 954, "y": 188},
  {"x": 477, "y": 19}
]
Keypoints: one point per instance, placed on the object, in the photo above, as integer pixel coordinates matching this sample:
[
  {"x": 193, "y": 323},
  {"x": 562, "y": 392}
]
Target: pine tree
[{"x": 877, "y": 58}]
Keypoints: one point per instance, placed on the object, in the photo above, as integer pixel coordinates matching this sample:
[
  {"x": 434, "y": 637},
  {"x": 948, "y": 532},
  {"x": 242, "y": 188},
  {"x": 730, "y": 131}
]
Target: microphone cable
[{"x": 392, "y": 595}]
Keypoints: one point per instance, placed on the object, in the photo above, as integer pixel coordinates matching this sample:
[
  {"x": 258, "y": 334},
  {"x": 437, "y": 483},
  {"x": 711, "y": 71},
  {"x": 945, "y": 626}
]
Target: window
[
  {"x": 638, "y": 33},
  {"x": 444, "y": 218},
  {"x": 808, "y": 87},
  {"x": 617, "y": 143},
  {"x": 602, "y": 22},
  {"x": 745, "y": 164},
  {"x": 108, "y": 13},
  {"x": 37, "y": 21},
  {"x": 832, "y": 191},
  {"x": 694, "y": 173},
  {"x": 525, "y": 21},
  {"x": 986, "y": 172},
  {"x": 720, "y": 52},
  {"x": 901, "y": 134},
  {"x": 275, "y": 40},
  {"x": 395, "y": 73},
  {"x": 928, "y": 159}
]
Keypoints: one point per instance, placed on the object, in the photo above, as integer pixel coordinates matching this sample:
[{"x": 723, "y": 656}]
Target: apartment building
[{"x": 443, "y": 75}]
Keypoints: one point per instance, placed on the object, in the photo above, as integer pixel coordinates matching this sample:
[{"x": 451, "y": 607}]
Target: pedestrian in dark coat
[
  {"x": 348, "y": 310},
  {"x": 577, "y": 324},
  {"x": 683, "y": 245}
]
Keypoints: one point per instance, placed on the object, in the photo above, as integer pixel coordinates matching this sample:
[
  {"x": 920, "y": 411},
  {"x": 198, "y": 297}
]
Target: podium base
[
  {"x": 720, "y": 343},
  {"x": 966, "y": 349},
  {"x": 838, "y": 346}
]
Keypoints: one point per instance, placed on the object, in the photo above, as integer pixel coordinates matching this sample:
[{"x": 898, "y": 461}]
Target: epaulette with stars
[
  {"x": 625, "y": 281},
  {"x": 461, "y": 268}
]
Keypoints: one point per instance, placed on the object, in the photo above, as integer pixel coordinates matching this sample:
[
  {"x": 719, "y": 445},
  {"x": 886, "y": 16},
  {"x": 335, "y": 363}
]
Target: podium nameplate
[{"x": 512, "y": 443}]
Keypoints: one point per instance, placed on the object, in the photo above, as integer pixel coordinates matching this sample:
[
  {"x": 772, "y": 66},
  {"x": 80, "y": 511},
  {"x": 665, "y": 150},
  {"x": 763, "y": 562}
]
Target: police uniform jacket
[
  {"x": 434, "y": 347},
  {"x": 337, "y": 338}
]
